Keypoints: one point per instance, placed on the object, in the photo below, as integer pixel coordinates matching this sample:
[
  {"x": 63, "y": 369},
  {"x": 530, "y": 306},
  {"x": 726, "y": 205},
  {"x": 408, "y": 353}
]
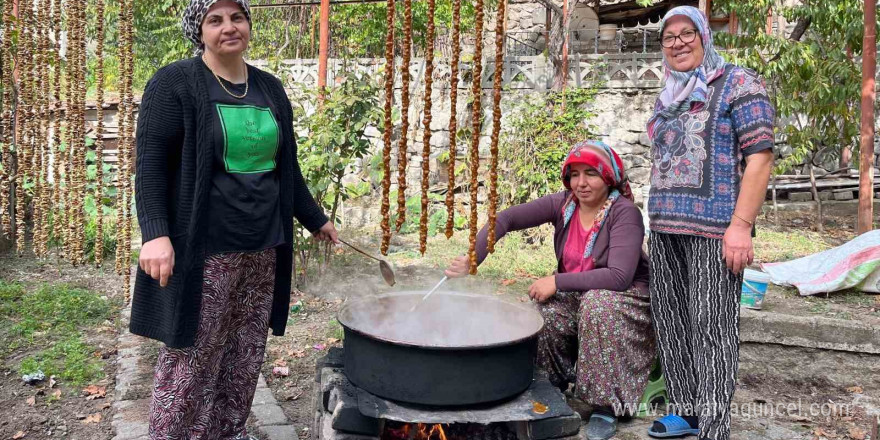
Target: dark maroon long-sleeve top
[{"x": 620, "y": 261}]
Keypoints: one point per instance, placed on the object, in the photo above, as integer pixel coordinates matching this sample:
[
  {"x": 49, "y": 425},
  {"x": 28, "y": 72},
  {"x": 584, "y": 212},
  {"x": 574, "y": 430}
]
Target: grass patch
[
  {"x": 69, "y": 359},
  {"x": 335, "y": 330},
  {"x": 49, "y": 321},
  {"x": 53, "y": 309},
  {"x": 773, "y": 246},
  {"x": 514, "y": 257}
]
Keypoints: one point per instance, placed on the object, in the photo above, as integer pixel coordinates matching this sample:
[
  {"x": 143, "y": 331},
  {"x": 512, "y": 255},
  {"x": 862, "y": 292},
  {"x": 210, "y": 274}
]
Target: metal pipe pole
[
  {"x": 323, "y": 47},
  {"x": 866, "y": 162},
  {"x": 565, "y": 36}
]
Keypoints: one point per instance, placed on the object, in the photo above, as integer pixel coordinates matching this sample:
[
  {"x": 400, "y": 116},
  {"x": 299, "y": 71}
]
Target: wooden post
[
  {"x": 866, "y": 162},
  {"x": 706, "y": 7},
  {"x": 769, "y": 29},
  {"x": 324, "y": 43}
]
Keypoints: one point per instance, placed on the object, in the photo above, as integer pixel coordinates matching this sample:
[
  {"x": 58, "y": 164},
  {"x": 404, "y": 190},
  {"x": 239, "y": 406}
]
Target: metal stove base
[{"x": 345, "y": 412}]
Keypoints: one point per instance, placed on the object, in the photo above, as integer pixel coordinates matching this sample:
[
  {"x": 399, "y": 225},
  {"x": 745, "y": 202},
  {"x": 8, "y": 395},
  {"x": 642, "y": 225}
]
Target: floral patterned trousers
[
  {"x": 603, "y": 342},
  {"x": 204, "y": 392}
]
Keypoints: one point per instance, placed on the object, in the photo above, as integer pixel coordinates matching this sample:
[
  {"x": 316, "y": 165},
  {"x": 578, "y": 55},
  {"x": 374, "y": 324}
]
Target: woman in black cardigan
[{"x": 217, "y": 188}]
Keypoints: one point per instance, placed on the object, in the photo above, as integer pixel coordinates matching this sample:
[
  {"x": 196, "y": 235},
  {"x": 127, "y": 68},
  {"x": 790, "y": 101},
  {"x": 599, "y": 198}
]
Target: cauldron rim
[{"x": 351, "y": 301}]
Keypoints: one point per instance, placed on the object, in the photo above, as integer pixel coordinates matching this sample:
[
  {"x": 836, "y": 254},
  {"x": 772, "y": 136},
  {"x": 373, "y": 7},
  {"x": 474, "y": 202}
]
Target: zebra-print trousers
[
  {"x": 695, "y": 304},
  {"x": 204, "y": 392}
]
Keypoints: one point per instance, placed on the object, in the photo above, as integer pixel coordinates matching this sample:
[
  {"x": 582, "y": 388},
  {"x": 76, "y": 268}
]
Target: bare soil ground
[
  {"x": 39, "y": 412},
  {"x": 42, "y": 411}
]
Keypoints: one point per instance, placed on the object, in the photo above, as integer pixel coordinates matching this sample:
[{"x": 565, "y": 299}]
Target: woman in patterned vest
[{"x": 712, "y": 135}]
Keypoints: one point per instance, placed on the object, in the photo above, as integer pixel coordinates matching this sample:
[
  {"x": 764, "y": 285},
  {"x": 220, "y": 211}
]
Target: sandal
[
  {"x": 601, "y": 426},
  {"x": 675, "y": 427}
]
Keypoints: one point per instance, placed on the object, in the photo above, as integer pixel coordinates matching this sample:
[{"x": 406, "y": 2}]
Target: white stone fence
[{"x": 611, "y": 71}]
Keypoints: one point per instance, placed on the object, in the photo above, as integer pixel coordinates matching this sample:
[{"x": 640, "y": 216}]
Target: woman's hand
[
  {"x": 543, "y": 289},
  {"x": 157, "y": 259},
  {"x": 327, "y": 233},
  {"x": 736, "y": 248},
  {"x": 459, "y": 267}
]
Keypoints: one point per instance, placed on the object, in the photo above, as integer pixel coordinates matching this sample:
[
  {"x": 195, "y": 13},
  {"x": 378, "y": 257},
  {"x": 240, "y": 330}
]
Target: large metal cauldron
[{"x": 455, "y": 349}]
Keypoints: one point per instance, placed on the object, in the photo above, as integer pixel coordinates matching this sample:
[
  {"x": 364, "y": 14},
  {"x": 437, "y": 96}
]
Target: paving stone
[
  {"x": 269, "y": 415},
  {"x": 130, "y": 430},
  {"x": 263, "y": 396},
  {"x": 843, "y": 195},
  {"x": 279, "y": 432}
]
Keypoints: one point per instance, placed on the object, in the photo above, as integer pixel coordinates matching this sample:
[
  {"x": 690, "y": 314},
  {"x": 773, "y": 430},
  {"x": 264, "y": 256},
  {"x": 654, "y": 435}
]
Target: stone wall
[{"x": 620, "y": 120}]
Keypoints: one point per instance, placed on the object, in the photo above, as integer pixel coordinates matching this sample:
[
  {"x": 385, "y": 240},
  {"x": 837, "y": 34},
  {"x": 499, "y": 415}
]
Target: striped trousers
[
  {"x": 204, "y": 392},
  {"x": 695, "y": 304}
]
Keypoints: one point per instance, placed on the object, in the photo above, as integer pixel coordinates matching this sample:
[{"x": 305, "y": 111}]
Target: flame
[
  {"x": 417, "y": 432},
  {"x": 439, "y": 430}
]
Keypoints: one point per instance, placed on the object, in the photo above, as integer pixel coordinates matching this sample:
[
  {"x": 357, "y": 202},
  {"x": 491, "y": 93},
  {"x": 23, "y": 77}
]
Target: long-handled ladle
[{"x": 384, "y": 267}]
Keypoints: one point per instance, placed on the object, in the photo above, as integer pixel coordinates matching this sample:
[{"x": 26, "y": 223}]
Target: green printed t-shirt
[{"x": 244, "y": 205}]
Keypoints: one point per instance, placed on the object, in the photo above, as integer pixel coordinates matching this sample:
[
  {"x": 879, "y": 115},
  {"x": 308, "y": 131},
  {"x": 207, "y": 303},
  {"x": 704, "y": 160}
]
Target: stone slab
[{"x": 279, "y": 432}]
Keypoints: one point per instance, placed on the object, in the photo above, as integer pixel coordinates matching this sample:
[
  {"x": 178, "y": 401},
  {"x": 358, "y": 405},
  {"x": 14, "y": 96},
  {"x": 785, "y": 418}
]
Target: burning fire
[{"x": 415, "y": 432}]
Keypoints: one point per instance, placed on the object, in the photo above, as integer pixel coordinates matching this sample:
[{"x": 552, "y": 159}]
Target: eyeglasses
[{"x": 686, "y": 37}]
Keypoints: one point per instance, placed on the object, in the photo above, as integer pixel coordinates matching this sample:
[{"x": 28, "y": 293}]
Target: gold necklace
[{"x": 224, "y": 86}]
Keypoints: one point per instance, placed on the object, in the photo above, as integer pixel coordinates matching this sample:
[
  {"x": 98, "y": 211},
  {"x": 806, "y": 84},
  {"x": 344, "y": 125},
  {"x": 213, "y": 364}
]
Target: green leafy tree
[
  {"x": 541, "y": 132},
  {"x": 813, "y": 73},
  {"x": 331, "y": 141}
]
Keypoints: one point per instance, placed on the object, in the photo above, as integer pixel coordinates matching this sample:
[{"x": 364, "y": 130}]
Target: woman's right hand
[
  {"x": 459, "y": 267},
  {"x": 157, "y": 259}
]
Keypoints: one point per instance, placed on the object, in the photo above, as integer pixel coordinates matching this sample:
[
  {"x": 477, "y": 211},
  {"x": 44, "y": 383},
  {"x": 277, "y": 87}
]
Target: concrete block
[
  {"x": 328, "y": 433},
  {"x": 843, "y": 195},
  {"x": 347, "y": 417},
  {"x": 800, "y": 196},
  {"x": 555, "y": 427}
]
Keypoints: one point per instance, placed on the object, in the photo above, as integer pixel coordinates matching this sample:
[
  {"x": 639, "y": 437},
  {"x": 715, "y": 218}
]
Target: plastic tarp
[{"x": 853, "y": 265}]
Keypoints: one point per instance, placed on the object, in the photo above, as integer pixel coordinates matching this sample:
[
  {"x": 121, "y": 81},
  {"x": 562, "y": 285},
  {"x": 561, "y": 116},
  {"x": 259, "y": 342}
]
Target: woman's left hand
[
  {"x": 737, "y": 247},
  {"x": 543, "y": 289},
  {"x": 327, "y": 233}
]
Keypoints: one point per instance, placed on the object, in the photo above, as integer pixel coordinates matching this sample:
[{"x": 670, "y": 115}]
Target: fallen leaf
[
  {"x": 31, "y": 401},
  {"x": 857, "y": 434},
  {"x": 508, "y": 281},
  {"x": 92, "y": 418},
  {"x": 281, "y": 371},
  {"x": 18, "y": 435},
  {"x": 56, "y": 394},
  {"x": 95, "y": 392},
  {"x": 280, "y": 362},
  {"x": 52, "y": 381},
  {"x": 332, "y": 340},
  {"x": 538, "y": 407},
  {"x": 855, "y": 390},
  {"x": 299, "y": 353},
  {"x": 106, "y": 405}
]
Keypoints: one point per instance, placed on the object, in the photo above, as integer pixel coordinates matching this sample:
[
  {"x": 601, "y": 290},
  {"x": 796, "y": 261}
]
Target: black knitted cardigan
[{"x": 172, "y": 183}]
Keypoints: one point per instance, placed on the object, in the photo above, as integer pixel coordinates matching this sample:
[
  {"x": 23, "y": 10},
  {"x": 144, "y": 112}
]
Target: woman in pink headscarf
[{"x": 597, "y": 333}]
